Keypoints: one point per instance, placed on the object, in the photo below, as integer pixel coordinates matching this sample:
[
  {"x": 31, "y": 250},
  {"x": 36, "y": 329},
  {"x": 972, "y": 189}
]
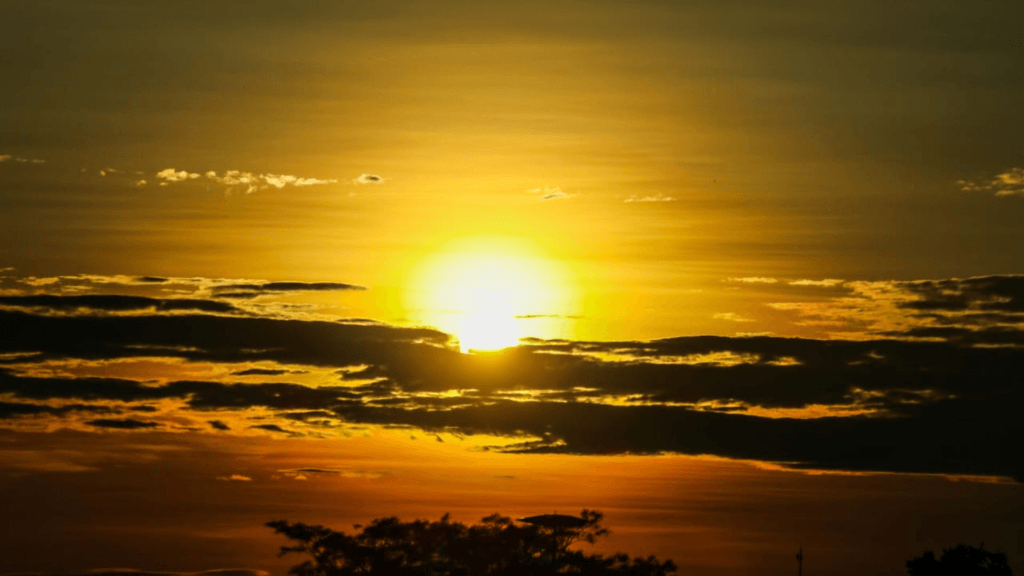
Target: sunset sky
[{"x": 746, "y": 276}]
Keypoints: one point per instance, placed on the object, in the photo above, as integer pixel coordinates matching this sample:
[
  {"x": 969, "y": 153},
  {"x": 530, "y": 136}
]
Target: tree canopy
[
  {"x": 963, "y": 560},
  {"x": 496, "y": 546}
]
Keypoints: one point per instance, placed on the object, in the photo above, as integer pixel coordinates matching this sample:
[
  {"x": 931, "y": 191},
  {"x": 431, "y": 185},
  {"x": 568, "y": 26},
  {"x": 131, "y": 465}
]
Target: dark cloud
[
  {"x": 15, "y": 409},
  {"x": 91, "y": 389},
  {"x": 204, "y": 337},
  {"x": 249, "y": 290},
  {"x": 368, "y": 179},
  {"x": 313, "y": 471},
  {"x": 823, "y": 372},
  {"x": 938, "y": 439},
  {"x": 897, "y": 404},
  {"x": 125, "y": 424},
  {"x": 271, "y": 428},
  {"x": 266, "y": 372},
  {"x": 310, "y": 415},
  {"x": 213, "y": 395},
  {"x": 991, "y": 336},
  {"x": 151, "y": 279},
  {"x": 985, "y": 293},
  {"x": 200, "y": 395},
  {"x": 112, "y": 303}
]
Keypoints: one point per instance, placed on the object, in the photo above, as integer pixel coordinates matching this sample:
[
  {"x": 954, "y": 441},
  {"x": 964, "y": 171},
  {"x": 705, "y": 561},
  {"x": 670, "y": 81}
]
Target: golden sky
[{"x": 708, "y": 263}]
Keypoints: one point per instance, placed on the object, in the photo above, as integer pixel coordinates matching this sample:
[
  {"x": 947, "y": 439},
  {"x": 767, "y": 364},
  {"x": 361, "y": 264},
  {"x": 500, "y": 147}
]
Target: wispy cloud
[
  {"x": 282, "y": 180},
  {"x": 979, "y": 311},
  {"x": 20, "y": 160},
  {"x": 732, "y": 317},
  {"x": 1008, "y": 183},
  {"x": 90, "y": 294},
  {"x": 658, "y": 198},
  {"x": 552, "y": 193},
  {"x": 753, "y": 280},
  {"x": 234, "y": 478},
  {"x": 248, "y": 182},
  {"x": 172, "y": 175},
  {"x": 826, "y": 283}
]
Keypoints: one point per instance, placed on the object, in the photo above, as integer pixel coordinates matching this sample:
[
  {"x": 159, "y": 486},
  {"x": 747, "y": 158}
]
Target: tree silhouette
[
  {"x": 496, "y": 546},
  {"x": 960, "y": 561}
]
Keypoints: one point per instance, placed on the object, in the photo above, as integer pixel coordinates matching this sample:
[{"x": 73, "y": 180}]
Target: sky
[{"x": 745, "y": 276}]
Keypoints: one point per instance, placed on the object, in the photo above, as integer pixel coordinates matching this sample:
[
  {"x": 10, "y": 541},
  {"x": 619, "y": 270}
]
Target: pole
[{"x": 800, "y": 562}]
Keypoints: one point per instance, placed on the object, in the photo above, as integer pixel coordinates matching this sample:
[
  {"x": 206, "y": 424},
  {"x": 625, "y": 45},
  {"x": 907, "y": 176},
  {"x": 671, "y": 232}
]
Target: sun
[{"x": 490, "y": 293}]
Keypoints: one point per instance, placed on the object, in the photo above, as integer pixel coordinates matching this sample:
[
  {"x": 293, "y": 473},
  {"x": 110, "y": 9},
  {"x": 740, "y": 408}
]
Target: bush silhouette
[
  {"x": 495, "y": 546},
  {"x": 960, "y": 561}
]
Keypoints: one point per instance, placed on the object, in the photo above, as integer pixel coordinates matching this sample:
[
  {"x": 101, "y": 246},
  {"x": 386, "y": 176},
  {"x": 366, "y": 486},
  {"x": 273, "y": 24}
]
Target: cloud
[
  {"x": 172, "y": 175},
  {"x": 300, "y": 473},
  {"x": 368, "y": 179},
  {"x": 125, "y": 424},
  {"x": 928, "y": 385},
  {"x": 100, "y": 279},
  {"x": 753, "y": 280},
  {"x": 918, "y": 383},
  {"x": 249, "y": 290},
  {"x": 549, "y": 193},
  {"x": 271, "y": 428},
  {"x": 732, "y": 317},
  {"x": 113, "y": 303},
  {"x": 249, "y": 181},
  {"x": 658, "y": 198},
  {"x": 1008, "y": 183},
  {"x": 917, "y": 444},
  {"x": 16, "y": 409},
  {"x": 20, "y": 160},
  {"x": 313, "y": 471},
  {"x": 254, "y": 182},
  {"x": 984, "y": 309},
  {"x": 199, "y": 286},
  {"x": 979, "y": 294},
  {"x": 80, "y": 294},
  {"x": 282, "y": 180},
  {"x": 265, "y": 372},
  {"x": 234, "y": 478},
  {"x": 826, "y": 283}
]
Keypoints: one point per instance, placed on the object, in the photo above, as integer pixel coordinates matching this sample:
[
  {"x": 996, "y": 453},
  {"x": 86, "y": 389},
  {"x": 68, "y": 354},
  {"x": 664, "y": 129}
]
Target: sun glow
[{"x": 490, "y": 293}]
